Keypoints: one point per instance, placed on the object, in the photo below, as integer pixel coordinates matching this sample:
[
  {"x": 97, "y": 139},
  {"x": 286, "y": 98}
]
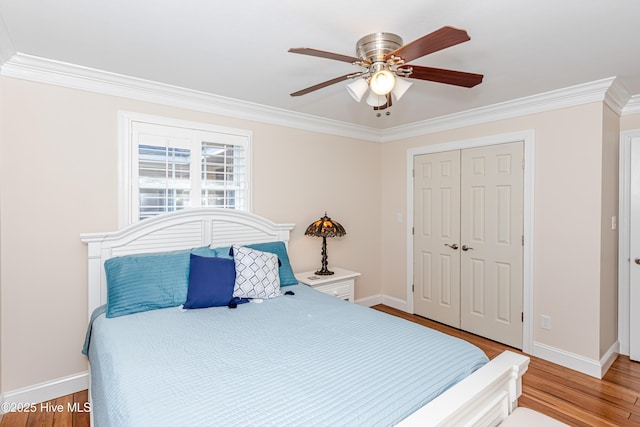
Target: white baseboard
[
  {"x": 609, "y": 357},
  {"x": 48, "y": 390},
  {"x": 369, "y": 301},
  {"x": 383, "y": 299},
  {"x": 592, "y": 367},
  {"x": 396, "y": 303}
]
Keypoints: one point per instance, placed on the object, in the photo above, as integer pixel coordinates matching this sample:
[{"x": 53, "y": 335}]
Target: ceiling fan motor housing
[{"x": 376, "y": 46}]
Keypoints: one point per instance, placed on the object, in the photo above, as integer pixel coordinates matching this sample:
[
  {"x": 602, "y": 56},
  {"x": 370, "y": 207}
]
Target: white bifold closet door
[{"x": 468, "y": 227}]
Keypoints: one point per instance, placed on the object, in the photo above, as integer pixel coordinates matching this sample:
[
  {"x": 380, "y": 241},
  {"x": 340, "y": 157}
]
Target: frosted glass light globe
[{"x": 382, "y": 82}]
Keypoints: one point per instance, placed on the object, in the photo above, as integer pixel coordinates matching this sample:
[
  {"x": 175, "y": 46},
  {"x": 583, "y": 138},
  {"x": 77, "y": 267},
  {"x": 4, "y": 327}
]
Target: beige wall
[
  {"x": 58, "y": 178},
  {"x": 630, "y": 122},
  {"x": 567, "y": 219},
  {"x": 609, "y": 237}
]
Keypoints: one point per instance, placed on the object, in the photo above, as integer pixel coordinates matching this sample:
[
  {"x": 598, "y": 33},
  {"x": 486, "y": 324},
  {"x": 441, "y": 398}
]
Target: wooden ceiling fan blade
[
  {"x": 440, "y": 39},
  {"x": 324, "y": 54},
  {"x": 323, "y": 84},
  {"x": 450, "y": 77}
]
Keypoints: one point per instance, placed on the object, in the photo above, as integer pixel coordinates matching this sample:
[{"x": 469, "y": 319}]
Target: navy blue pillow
[{"x": 211, "y": 282}]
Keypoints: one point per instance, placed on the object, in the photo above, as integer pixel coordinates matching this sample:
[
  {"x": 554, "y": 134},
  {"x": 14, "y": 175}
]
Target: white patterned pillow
[{"x": 257, "y": 274}]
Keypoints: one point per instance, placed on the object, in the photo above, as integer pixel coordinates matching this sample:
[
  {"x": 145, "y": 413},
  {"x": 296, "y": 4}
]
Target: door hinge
[
  {"x": 413, "y": 288},
  {"x": 522, "y": 316},
  {"x": 523, "y": 164},
  {"x": 413, "y": 173},
  {"x": 523, "y": 240},
  {"x": 413, "y": 231}
]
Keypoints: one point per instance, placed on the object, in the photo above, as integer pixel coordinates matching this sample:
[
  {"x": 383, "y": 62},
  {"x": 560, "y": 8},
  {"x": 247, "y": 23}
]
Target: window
[{"x": 168, "y": 165}]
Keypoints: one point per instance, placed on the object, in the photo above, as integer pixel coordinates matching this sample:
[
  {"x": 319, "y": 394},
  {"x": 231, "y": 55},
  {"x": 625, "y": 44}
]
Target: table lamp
[{"x": 325, "y": 227}]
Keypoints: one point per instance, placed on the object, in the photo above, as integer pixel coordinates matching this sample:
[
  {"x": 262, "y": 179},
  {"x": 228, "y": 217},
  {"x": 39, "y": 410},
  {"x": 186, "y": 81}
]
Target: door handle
[
  {"x": 637, "y": 260},
  {"x": 466, "y": 248},
  {"x": 454, "y": 246}
]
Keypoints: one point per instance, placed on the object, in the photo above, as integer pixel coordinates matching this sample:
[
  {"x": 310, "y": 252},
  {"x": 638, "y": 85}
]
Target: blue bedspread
[{"x": 307, "y": 359}]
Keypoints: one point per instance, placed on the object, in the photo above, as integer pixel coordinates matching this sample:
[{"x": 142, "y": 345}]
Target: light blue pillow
[
  {"x": 145, "y": 282},
  {"x": 286, "y": 272},
  {"x": 205, "y": 251}
]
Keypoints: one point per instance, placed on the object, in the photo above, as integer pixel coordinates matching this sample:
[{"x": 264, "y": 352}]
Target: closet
[{"x": 468, "y": 240}]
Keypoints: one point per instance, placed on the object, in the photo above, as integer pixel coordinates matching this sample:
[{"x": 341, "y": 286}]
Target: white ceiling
[{"x": 238, "y": 49}]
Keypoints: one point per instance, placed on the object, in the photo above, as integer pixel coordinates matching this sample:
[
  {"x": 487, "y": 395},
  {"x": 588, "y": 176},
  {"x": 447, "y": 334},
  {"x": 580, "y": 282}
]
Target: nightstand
[{"x": 340, "y": 284}]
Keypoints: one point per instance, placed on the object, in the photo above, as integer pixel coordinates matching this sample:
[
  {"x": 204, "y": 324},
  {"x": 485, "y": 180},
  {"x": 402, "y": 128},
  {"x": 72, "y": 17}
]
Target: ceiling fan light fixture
[
  {"x": 382, "y": 82},
  {"x": 375, "y": 100},
  {"x": 400, "y": 88},
  {"x": 358, "y": 89}
]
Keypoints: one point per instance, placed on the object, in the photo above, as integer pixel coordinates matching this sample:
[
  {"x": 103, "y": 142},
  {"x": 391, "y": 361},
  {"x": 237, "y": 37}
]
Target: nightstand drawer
[
  {"x": 340, "y": 284},
  {"x": 342, "y": 290}
]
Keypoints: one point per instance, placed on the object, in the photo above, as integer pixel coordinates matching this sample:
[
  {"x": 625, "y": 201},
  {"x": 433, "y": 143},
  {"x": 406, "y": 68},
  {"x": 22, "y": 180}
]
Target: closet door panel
[
  {"x": 491, "y": 247},
  {"x": 436, "y": 266}
]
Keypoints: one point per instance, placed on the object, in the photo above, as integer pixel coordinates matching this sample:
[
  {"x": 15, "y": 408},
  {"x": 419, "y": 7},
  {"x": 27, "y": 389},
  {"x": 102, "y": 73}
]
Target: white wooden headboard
[{"x": 184, "y": 229}]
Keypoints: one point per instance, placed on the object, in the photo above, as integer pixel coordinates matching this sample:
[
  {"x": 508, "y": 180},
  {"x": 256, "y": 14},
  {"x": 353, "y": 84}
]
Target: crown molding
[
  {"x": 42, "y": 70},
  {"x": 617, "y": 96},
  {"x": 553, "y": 100},
  {"x": 632, "y": 107},
  {"x": 77, "y": 77}
]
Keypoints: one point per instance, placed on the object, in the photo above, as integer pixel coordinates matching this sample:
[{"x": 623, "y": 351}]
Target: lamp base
[{"x": 323, "y": 272}]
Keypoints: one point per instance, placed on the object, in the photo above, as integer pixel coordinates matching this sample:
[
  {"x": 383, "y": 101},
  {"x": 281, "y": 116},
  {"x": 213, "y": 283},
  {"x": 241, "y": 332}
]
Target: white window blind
[
  {"x": 224, "y": 171},
  {"x": 172, "y": 165}
]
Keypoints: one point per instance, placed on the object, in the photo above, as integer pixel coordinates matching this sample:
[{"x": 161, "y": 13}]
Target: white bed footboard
[{"x": 484, "y": 398}]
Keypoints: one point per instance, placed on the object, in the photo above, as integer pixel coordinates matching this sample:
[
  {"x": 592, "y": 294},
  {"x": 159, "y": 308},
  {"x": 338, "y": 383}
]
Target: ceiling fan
[{"x": 385, "y": 62}]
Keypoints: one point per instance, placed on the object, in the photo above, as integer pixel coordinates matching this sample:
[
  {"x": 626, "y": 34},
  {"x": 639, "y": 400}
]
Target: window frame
[{"x": 126, "y": 156}]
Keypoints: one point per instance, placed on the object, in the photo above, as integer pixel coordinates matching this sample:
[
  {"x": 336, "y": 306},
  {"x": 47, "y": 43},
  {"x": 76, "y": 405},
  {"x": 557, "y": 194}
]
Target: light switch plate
[{"x": 545, "y": 322}]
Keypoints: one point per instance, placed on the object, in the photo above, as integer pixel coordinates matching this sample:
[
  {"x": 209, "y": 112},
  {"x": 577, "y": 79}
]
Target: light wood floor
[
  {"x": 569, "y": 396},
  {"x": 55, "y": 413}
]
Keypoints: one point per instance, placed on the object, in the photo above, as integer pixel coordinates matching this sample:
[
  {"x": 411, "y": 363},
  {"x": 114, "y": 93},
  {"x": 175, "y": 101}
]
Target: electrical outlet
[{"x": 545, "y": 322}]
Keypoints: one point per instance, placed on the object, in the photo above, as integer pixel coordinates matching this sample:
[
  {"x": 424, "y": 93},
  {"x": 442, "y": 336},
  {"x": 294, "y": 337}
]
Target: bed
[{"x": 300, "y": 358}]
